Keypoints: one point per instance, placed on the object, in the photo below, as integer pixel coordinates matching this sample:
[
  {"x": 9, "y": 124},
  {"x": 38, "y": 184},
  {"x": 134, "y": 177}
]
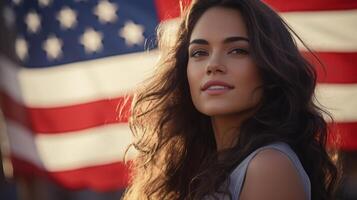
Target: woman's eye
[
  {"x": 198, "y": 53},
  {"x": 239, "y": 51}
]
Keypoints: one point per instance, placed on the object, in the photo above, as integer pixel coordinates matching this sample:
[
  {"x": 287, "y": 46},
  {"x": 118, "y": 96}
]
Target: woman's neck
[
  {"x": 227, "y": 128},
  {"x": 226, "y": 131}
]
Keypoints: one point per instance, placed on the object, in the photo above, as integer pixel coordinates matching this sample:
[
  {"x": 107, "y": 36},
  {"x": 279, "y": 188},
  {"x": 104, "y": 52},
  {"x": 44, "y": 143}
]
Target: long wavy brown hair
[{"x": 177, "y": 155}]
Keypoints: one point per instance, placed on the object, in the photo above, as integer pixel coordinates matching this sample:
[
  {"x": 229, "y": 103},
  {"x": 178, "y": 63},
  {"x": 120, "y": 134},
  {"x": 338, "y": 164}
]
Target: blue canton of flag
[{"x": 51, "y": 33}]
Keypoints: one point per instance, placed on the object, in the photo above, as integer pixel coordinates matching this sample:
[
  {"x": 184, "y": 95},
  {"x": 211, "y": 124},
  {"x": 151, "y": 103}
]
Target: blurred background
[{"x": 67, "y": 68}]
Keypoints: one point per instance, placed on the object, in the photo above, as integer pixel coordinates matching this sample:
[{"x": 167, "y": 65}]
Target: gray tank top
[{"x": 238, "y": 174}]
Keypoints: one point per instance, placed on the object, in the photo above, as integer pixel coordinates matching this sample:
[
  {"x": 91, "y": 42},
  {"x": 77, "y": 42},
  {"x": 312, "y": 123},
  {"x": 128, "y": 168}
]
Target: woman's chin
[{"x": 216, "y": 111}]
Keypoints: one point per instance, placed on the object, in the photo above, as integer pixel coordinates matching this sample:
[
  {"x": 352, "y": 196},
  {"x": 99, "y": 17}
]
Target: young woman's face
[{"x": 222, "y": 75}]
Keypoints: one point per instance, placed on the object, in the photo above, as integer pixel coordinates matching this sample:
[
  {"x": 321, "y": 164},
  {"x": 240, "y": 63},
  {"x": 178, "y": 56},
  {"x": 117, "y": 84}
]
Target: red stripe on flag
[
  {"x": 337, "y": 67},
  {"x": 13, "y": 110},
  {"x": 345, "y": 134},
  {"x": 101, "y": 178},
  {"x": 308, "y": 5},
  {"x": 68, "y": 118},
  {"x": 168, "y": 9}
]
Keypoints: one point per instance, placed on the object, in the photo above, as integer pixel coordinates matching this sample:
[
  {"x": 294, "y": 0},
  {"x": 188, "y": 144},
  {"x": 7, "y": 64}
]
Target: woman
[{"x": 230, "y": 113}]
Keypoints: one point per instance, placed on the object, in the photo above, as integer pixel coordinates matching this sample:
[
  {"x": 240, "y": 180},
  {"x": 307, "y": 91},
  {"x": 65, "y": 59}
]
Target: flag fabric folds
[
  {"x": 329, "y": 28},
  {"x": 78, "y": 60}
]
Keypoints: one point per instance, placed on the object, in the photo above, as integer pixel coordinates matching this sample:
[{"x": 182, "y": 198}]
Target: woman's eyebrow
[
  {"x": 199, "y": 41},
  {"x": 226, "y": 40},
  {"x": 235, "y": 39}
]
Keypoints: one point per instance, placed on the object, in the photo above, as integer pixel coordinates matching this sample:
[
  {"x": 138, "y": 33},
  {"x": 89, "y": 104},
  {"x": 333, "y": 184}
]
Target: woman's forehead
[{"x": 218, "y": 23}]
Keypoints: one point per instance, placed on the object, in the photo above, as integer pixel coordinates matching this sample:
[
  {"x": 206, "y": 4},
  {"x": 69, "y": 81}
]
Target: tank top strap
[{"x": 238, "y": 175}]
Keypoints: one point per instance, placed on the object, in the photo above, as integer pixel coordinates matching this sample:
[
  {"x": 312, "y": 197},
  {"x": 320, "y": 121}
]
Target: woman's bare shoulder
[{"x": 272, "y": 176}]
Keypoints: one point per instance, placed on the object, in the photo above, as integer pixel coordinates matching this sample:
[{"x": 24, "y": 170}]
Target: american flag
[
  {"x": 79, "y": 59},
  {"x": 329, "y": 28}
]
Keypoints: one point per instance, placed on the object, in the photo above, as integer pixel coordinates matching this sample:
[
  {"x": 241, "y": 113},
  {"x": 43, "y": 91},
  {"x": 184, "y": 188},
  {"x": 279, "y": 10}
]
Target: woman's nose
[{"x": 215, "y": 65}]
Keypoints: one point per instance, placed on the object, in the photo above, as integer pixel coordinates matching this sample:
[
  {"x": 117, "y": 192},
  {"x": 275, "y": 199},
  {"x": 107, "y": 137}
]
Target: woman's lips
[{"x": 216, "y": 87}]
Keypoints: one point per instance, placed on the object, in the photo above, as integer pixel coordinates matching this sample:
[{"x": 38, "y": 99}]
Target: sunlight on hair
[
  {"x": 7, "y": 168},
  {"x": 5, "y": 149},
  {"x": 335, "y": 157},
  {"x": 167, "y": 32}
]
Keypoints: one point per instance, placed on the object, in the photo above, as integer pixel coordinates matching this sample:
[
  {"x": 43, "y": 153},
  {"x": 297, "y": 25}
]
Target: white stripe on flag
[
  {"x": 340, "y": 100},
  {"x": 71, "y": 150},
  {"x": 325, "y": 31},
  {"x": 77, "y": 83}
]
